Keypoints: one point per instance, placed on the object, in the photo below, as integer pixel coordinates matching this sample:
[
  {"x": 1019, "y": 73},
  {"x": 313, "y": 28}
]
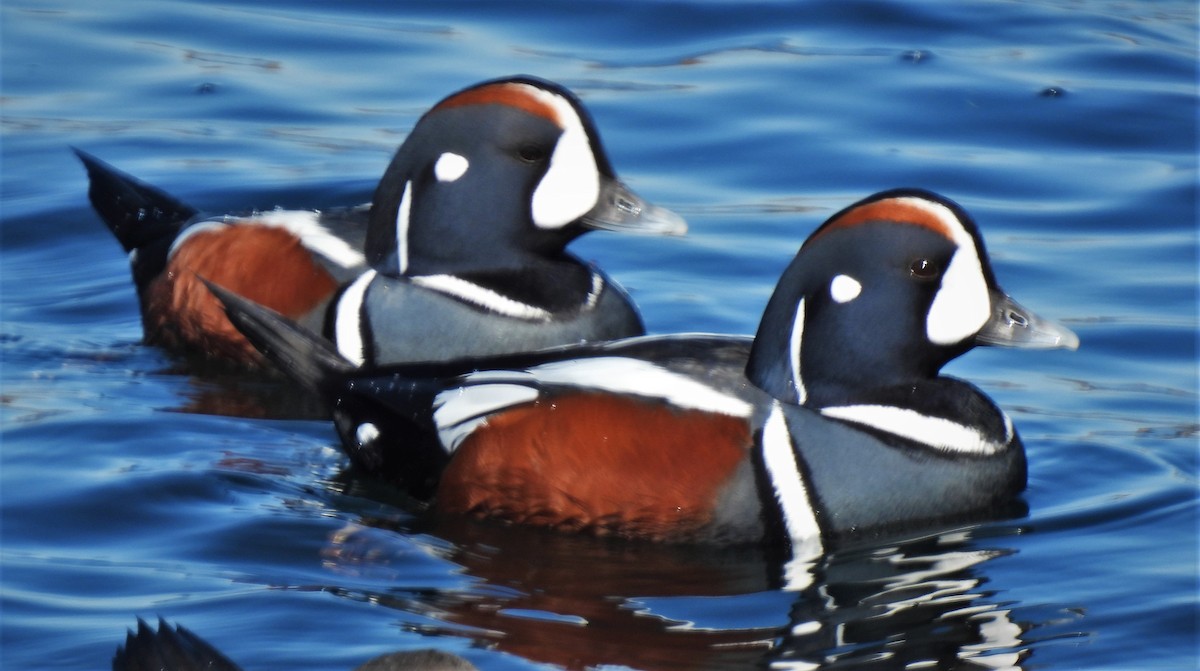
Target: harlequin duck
[
  {"x": 831, "y": 422},
  {"x": 178, "y": 649},
  {"x": 462, "y": 251}
]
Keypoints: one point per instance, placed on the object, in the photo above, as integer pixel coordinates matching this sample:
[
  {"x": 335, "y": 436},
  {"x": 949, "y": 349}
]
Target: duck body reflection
[{"x": 578, "y": 602}]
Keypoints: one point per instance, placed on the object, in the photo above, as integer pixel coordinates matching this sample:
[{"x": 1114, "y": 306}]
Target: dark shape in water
[{"x": 178, "y": 649}]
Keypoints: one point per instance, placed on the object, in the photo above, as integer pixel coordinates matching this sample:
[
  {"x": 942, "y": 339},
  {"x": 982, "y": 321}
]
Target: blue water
[{"x": 131, "y": 488}]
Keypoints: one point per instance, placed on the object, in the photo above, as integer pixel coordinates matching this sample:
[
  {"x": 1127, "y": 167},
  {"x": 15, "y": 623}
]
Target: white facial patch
[
  {"x": 306, "y": 226},
  {"x": 571, "y": 185},
  {"x": 450, "y": 167},
  {"x": 348, "y": 321},
  {"x": 844, "y": 288},
  {"x": 961, "y": 306},
  {"x": 402, "y": 229},
  {"x": 796, "y": 341}
]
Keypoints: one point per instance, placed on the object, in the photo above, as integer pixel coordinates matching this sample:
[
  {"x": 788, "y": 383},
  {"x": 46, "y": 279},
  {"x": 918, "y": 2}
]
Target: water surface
[{"x": 131, "y": 487}]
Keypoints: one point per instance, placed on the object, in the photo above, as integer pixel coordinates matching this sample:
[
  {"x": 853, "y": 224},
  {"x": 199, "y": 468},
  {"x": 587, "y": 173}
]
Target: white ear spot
[
  {"x": 844, "y": 288},
  {"x": 450, "y": 167},
  {"x": 366, "y": 433}
]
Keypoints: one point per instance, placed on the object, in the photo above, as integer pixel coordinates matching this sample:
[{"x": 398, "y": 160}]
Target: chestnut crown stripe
[
  {"x": 512, "y": 94},
  {"x": 908, "y": 210}
]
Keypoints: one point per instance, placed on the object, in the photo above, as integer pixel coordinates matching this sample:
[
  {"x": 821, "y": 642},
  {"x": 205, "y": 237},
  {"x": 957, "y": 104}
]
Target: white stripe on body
[{"x": 459, "y": 411}]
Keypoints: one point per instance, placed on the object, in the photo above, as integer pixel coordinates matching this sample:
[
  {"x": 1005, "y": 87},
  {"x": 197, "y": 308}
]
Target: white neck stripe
[
  {"x": 477, "y": 295},
  {"x": 936, "y": 432},
  {"x": 779, "y": 457}
]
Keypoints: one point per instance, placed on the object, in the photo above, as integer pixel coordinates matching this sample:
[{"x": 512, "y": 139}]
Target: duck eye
[
  {"x": 924, "y": 269},
  {"x": 531, "y": 153}
]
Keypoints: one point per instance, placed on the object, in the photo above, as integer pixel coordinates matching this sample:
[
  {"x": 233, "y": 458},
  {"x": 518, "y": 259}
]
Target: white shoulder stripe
[
  {"x": 198, "y": 227},
  {"x": 306, "y": 225},
  {"x": 637, "y": 377},
  {"x": 348, "y": 319},
  {"x": 779, "y": 457},
  {"x": 477, "y": 295},
  {"x": 936, "y": 432},
  {"x": 459, "y": 411}
]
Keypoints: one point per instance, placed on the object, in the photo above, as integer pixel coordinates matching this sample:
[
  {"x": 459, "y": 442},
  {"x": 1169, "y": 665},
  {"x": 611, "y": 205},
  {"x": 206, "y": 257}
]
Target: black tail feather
[
  {"x": 383, "y": 417},
  {"x": 138, "y": 214},
  {"x": 177, "y": 649},
  {"x": 300, "y": 354}
]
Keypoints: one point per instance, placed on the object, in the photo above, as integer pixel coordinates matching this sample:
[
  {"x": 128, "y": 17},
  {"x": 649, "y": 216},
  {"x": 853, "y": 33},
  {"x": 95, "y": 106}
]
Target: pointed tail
[
  {"x": 307, "y": 358},
  {"x": 384, "y": 417},
  {"x": 177, "y": 649},
  {"x": 143, "y": 218}
]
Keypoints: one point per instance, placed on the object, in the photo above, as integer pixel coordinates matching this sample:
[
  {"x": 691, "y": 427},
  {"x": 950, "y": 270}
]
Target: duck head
[
  {"x": 496, "y": 176},
  {"x": 885, "y": 293}
]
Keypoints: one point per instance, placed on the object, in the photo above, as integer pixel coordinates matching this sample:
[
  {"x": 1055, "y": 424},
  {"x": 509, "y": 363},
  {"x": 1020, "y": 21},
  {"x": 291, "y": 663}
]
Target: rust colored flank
[
  {"x": 597, "y": 463},
  {"x": 264, "y": 264}
]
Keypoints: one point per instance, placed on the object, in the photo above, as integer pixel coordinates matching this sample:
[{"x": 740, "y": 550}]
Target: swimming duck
[
  {"x": 462, "y": 251},
  {"x": 833, "y": 421}
]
